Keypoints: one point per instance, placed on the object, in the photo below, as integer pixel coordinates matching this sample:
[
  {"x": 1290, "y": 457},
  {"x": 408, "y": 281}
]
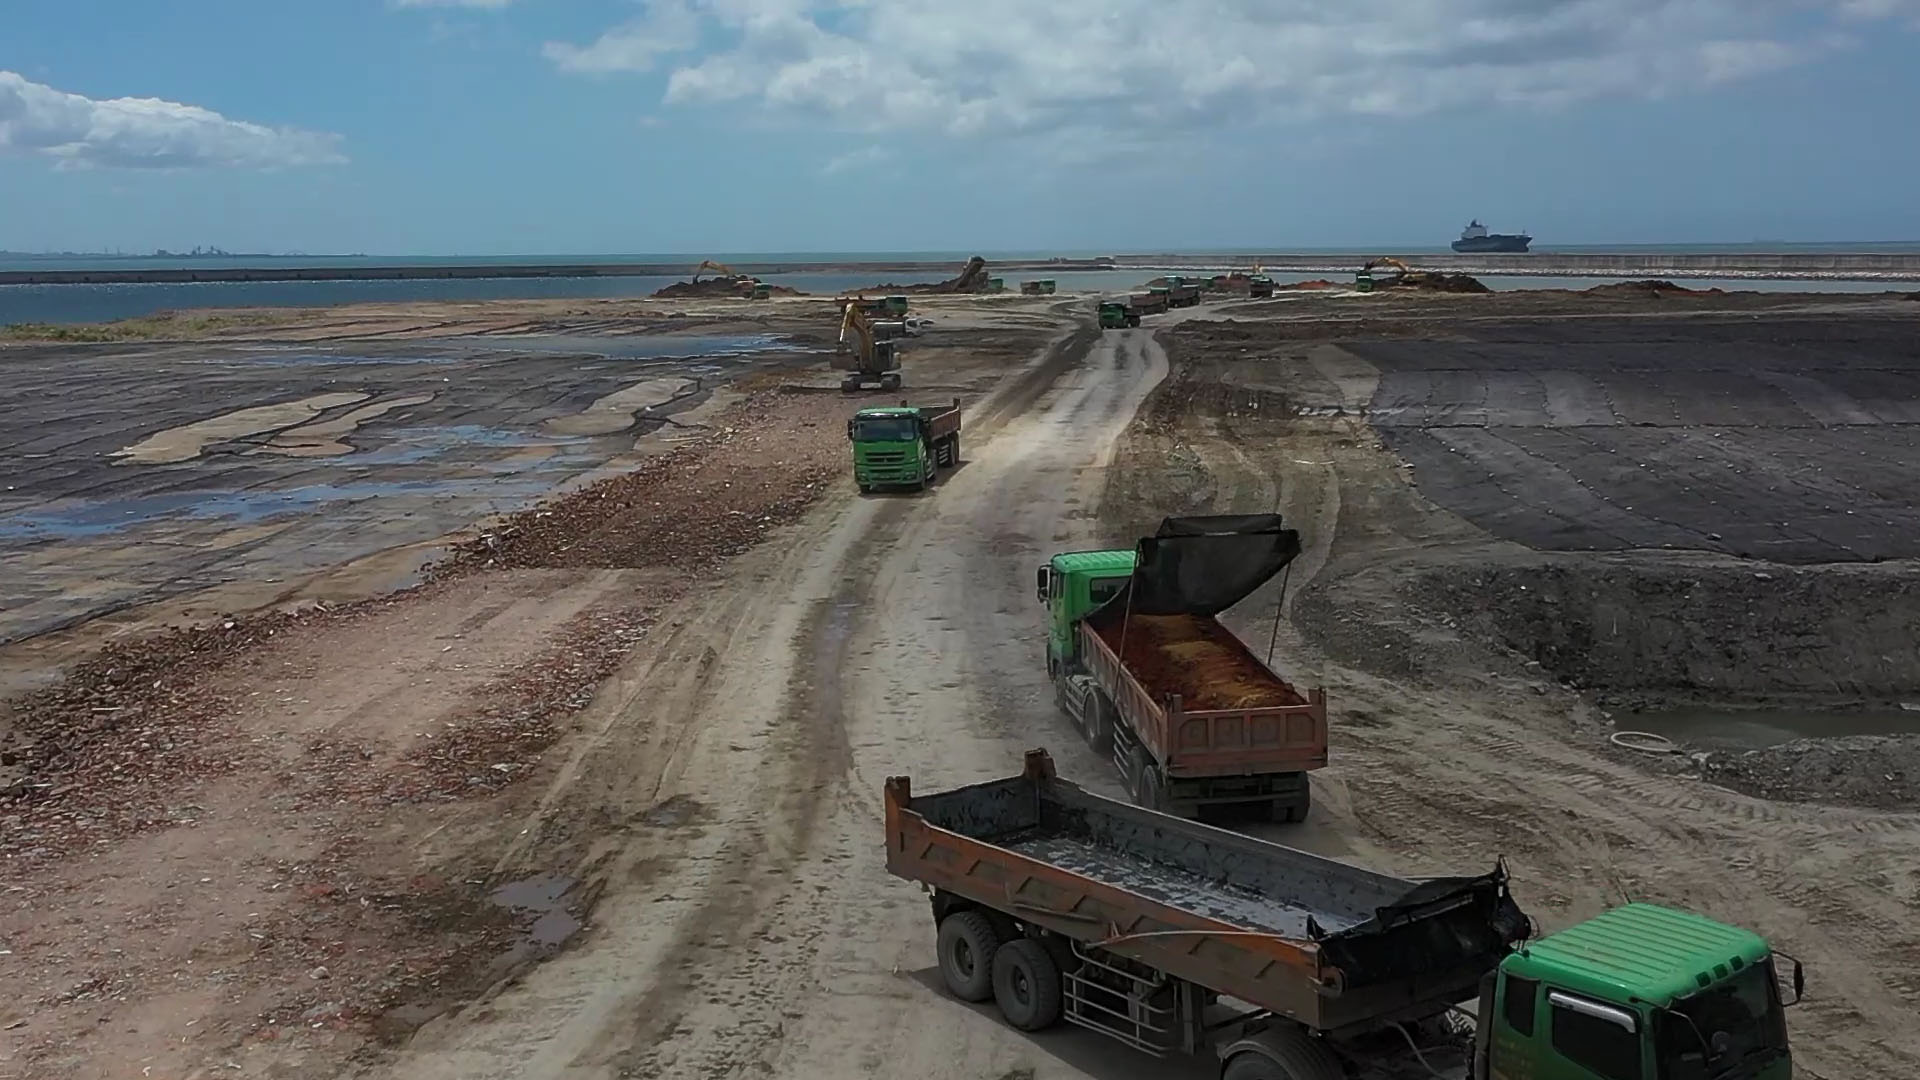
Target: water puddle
[
  {"x": 540, "y": 911},
  {"x": 101, "y": 517},
  {"x": 1755, "y": 729}
]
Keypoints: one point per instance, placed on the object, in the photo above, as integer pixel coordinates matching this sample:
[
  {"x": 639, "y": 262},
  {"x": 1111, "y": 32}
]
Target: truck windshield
[
  {"x": 1740, "y": 1021},
  {"x": 885, "y": 429}
]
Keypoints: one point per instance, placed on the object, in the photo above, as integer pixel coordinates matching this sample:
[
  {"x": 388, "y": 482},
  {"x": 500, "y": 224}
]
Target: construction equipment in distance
[
  {"x": 1117, "y": 315},
  {"x": 1363, "y": 280},
  {"x": 1038, "y": 287},
  {"x": 869, "y": 349},
  {"x": 1059, "y": 905}
]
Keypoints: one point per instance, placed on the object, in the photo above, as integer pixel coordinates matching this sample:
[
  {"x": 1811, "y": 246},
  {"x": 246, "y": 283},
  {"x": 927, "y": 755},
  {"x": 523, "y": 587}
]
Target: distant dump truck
[
  {"x": 1183, "y": 294},
  {"x": 904, "y": 445},
  {"x": 1117, "y": 315},
  {"x": 1038, "y": 287},
  {"x": 1260, "y": 285},
  {"x": 1153, "y": 302},
  {"x": 1193, "y": 720},
  {"x": 1174, "y": 937}
]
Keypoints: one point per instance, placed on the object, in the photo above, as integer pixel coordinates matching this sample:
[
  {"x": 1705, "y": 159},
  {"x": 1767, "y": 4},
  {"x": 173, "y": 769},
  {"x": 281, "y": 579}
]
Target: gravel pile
[
  {"x": 765, "y": 463},
  {"x": 1881, "y": 771}
]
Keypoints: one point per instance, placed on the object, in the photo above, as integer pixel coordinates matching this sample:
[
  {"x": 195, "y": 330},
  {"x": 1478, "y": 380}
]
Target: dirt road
[
  {"x": 759, "y": 931},
  {"x": 716, "y": 806}
]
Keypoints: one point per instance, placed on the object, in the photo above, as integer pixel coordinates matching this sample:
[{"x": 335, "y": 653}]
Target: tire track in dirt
[{"x": 1443, "y": 778}]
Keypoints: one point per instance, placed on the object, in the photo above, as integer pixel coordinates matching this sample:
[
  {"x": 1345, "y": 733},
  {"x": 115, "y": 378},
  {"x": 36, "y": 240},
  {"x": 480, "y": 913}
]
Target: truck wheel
[
  {"x": 1295, "y": 810},
  {"x": 953, "y": 450},
  {"x": 1143, "y": 776},
  {"x": 967, "y": 944},
  {"x": 1291, "y": 1055},
  {"x": 1026, "y": 984},
  {"x": 1099, "y": 724}
]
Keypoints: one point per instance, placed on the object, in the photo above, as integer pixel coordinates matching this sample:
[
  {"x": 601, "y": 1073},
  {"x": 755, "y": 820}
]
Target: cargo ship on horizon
[{"x": 1475, "y": 239}]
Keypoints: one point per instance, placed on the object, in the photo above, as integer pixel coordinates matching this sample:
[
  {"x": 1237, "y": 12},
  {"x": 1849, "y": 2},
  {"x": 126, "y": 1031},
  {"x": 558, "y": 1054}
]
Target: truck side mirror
[
  {"x": 1799, "y": 983},
  {"x": 1040, "y": 585},
  {"x": 849, "y": 430}
]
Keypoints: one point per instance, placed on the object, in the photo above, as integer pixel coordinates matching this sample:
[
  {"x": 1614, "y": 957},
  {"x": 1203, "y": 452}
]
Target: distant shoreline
[{"x": 1851, "y": 266}]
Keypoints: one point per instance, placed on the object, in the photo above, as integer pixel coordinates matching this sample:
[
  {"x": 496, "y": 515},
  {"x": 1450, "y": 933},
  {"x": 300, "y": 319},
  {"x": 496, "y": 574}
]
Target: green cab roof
[
  {"x": 1641, "y": 951},
  {"x": 1094, "y": 562}
]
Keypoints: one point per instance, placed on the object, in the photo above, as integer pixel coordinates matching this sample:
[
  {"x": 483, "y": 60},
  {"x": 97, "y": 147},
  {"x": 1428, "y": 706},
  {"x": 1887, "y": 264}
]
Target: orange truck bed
[
  {"x": 1202, "y": 703},
  {"x": 1325, "y": 943}
]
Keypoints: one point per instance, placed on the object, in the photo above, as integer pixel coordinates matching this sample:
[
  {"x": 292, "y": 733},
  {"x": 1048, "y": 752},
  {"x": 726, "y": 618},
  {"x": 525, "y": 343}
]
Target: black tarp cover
[{"x": 1205, "y": 565}]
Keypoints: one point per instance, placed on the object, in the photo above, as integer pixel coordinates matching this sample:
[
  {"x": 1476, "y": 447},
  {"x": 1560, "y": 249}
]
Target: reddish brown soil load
[
  {"x": 1196, "y": 658},
  {"x": 1309, "y": 283}
]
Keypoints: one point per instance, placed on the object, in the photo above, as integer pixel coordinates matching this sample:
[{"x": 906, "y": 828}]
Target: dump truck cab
[
  {"x": 1117, "y": 315},
  {"x": 1641, "y": 992},
  {"x": 903, "y": 445},
  {"x": 1072, "y": 585}
]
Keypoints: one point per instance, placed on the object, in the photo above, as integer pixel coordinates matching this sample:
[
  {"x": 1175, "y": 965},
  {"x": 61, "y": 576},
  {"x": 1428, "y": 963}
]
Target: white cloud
[
  {"x": 670, "y": 27},
  {"x": 853, "y": 160},
  {"x": 145, "y": 133},
  {"x": 491, "y": 4},
  {"x": 1139, "y": 67}
]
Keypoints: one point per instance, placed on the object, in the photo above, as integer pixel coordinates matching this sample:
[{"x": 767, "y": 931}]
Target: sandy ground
[{"x": 691, "y": 853}]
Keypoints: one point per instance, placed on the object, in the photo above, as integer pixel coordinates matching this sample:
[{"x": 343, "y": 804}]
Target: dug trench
[{"x": 1474, "y": 680}]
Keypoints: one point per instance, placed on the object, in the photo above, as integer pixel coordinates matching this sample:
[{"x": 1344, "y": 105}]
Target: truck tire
[
  {"x": 1099, "y": 723},
  {"x": 967, "y": 944},
  {"x": 1149, "y": 790},
  {"x": 1294, "y": 810},
  {"x": 1285, "y": 1055},
  {"x": 1026, "y": 984}
]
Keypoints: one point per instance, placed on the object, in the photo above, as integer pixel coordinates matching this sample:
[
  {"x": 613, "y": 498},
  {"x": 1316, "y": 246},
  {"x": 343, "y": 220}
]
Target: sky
[{"x": 621, "y": 126}]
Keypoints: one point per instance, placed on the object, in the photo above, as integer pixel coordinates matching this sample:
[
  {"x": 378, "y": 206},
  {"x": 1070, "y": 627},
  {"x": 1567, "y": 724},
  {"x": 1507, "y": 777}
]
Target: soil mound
[
  {"x": 720, "y": 288},
  {"x": 1310, "y": 283},
  {"x": 1650, "y": 287},
  {"x": 971, "y": 279}
]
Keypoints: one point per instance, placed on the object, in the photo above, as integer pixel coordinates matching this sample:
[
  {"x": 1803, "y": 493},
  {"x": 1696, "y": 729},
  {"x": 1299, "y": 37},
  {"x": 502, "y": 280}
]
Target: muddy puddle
[
  {"x": 99, "y": 517},
  {"x": 1757, "y": 729},
  {"x": 539, "y": 905}
]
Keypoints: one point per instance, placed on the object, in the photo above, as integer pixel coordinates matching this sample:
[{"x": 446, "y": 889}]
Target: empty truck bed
[
  {"x": 1177, "y": 887},
  {"x": 1325, "y": 942}
]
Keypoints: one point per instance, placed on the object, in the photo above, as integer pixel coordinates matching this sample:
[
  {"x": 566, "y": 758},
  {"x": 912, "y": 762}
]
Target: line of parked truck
[
  {"x": 1177, "y": 292},
  {"x": 1174, "y": 936}
]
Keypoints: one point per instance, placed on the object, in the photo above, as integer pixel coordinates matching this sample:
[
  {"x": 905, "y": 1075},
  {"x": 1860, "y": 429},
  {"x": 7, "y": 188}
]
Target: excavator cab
[{"x": 869, "y": 345}]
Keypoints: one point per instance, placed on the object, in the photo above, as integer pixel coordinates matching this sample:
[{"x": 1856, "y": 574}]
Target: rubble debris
[
  {"x": 1880, "y": 771},
  {"x": 690, "y": 507}
]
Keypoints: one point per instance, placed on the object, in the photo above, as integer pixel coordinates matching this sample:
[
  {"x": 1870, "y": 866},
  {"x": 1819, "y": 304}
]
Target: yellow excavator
[
  {"x": 1363, "y": 280},
  {"x": 869, "y": 346},
  {"x": 717, "y": 268}
]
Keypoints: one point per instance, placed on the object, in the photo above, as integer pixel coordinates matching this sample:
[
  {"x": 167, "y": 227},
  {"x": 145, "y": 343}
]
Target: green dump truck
[
  {"x": 1178, "y": 938},
  {"x": 1117, "y": 315},
  {"x": 1192, "y": 719},
  {"x": 904, "y": 446}
]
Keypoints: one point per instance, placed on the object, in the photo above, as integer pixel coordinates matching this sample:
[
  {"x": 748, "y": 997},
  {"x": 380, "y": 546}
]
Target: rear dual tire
[{"x": 1020, "y": 975}]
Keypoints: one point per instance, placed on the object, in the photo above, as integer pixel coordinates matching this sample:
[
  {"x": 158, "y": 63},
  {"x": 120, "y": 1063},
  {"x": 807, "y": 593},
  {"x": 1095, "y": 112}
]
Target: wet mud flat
[{"x": 139, "y": 472}]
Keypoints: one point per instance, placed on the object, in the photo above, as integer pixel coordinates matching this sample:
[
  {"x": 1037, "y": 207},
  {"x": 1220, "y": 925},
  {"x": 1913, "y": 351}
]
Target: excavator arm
[
  {"x": 1388, "y": 260},
  {"x": 718, "y": 268}
]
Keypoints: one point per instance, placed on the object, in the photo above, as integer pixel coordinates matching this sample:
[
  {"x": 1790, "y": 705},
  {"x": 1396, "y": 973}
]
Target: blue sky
[{"x": 584, "y": 126}]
